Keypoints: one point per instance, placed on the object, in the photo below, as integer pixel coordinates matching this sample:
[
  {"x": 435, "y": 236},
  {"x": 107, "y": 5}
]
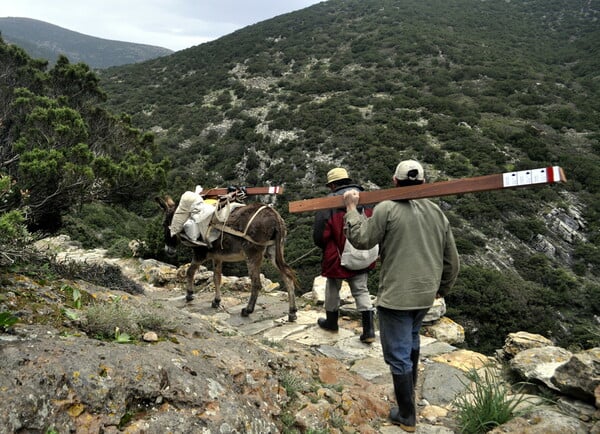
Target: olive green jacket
[{"x": 416, "y": 247}]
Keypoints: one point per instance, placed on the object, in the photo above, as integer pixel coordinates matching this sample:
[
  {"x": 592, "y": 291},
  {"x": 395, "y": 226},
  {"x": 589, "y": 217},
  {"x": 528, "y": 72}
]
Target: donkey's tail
[{"x": 280, "y": 235}]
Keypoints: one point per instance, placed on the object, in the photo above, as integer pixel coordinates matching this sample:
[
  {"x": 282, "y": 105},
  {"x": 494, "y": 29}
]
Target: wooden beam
[
  {"x": 522, "y": 178},
  {"x": 250, "y": 191}
]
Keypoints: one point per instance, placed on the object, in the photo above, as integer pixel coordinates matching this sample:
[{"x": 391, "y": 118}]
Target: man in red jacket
[{"x": 328, "y": 234}]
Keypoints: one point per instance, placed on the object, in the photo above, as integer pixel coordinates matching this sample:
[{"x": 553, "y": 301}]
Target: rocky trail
[{"x": 221, "y": 372}]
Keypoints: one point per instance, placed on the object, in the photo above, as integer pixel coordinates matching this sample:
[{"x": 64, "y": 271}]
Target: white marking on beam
[
  {"x": 539, "y": 176},
  {"x": 556, "y": 171}
]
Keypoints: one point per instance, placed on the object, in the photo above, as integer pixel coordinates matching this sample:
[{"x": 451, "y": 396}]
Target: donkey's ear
[
  {"x": 166, "y": 203},
  {"x": 161, "y": 202}
]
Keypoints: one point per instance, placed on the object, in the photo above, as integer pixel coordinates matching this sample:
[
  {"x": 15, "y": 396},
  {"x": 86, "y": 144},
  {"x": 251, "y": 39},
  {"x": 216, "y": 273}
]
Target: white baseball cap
[{"x": 409, "y": 170}]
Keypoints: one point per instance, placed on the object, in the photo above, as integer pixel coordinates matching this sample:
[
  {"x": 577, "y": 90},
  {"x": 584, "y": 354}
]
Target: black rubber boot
[
  {"x": 368, "y": 335},
  {"x": 414, "y": 358},
  {"x": 405, "y": 415},
  {"x": 331, "y": 322}
]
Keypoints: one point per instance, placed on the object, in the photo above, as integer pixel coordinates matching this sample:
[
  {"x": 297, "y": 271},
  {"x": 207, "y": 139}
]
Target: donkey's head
[{"x": 169, "y": 207}]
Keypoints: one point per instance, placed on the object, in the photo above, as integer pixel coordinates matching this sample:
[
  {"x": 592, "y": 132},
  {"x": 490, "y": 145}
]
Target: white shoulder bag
[{"x": 355, "y": 259}]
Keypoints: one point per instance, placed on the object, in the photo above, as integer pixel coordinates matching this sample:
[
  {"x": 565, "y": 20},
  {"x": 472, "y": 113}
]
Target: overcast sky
[{"x": 173, "y": 24}]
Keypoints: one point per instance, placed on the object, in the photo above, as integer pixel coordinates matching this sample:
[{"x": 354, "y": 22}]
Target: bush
[
  {"x": 494, "y": 304},
  {"x": 114, "y": 320},
  {"x": 101, "y": 225},
  {"x": 15, "y": 240},
  {"x": 525, "y": 229},
  {"x": 12, "y": 227}
]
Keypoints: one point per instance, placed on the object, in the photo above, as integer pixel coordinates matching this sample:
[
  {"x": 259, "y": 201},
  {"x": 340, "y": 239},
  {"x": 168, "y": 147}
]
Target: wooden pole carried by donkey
[
  {"x": 522, "y": 178},
  {"x": 250, "y": 191}
]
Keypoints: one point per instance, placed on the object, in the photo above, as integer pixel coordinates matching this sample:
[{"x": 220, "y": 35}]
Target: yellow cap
[{"x": 336, "y": 174}]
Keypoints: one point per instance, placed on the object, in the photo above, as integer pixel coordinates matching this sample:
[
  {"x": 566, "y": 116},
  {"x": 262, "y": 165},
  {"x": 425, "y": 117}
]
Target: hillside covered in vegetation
[{"x": 468, "y": 87}]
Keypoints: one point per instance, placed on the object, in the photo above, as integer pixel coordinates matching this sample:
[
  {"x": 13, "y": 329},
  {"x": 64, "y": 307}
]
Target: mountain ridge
[{"x": 47, "y": 41}]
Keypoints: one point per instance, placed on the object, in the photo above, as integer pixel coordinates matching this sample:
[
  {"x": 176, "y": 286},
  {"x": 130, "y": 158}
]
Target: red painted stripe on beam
[{"x": 549, "y": 174}]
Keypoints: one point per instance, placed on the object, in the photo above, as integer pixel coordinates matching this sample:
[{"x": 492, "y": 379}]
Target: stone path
[{"x": 440, "y": 379}]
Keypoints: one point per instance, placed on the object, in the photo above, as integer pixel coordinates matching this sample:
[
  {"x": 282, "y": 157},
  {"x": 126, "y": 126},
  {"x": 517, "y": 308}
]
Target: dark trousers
[{"x": 399, "y": 335}]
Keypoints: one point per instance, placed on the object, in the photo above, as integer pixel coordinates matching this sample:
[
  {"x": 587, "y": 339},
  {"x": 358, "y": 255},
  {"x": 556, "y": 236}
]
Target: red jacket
[{"x": 328, "y": 234}]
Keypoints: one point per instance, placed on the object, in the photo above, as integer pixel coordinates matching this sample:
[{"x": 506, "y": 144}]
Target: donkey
[{"x": 252, "y": 232}]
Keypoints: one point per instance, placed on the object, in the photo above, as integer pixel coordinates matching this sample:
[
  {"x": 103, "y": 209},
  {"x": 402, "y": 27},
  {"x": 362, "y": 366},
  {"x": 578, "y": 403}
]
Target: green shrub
[
  {"x": 7, "y": 320},
  {"x": 101, "y": 225},
  {"x": 15, "y": 239},
  {"x": 119, "y": 249},
  {"x": 291, "y": 382},
  {"x": 491, "y": 304},
  {"x": 12, "y": 227},
  {"x": 526, "y": 229}
]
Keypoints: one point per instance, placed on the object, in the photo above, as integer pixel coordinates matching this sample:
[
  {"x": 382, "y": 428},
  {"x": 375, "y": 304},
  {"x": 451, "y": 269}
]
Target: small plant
[
  {"x": 487, "y": 403},
  {"x": 122, "y": 338},
  {"x": 102, "y": 319},
  {"x": 76, "y": 298},
  {"x": 125, "y": 419},
  {"x": 288, "y": 421},
  {"x": 152, "y": 319},
  {"x": 7, "y": 320},
  {"x": 337, "y": 421},
  {"x": 271, "y": 343},
  {"x": 291, "y": 383},
  {"x": 71, "y": 314}
]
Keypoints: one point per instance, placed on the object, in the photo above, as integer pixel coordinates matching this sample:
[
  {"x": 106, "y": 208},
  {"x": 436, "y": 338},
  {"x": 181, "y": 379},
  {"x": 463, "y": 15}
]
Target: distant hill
[{"x": 42, "y": 40}]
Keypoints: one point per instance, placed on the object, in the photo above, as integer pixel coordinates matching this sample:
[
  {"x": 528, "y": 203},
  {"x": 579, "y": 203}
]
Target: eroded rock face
[
  {"x": 75, "y": 382},
  {"x": 540, "y": 363},
  {"x": 580, "y": 376}
]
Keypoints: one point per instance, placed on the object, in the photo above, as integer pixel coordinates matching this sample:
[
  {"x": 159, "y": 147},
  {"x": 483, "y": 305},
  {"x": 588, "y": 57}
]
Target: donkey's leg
[
  {"x": 292, "y": 316},
  {"x": 286, "y": 275},
  {"x": 190, "y": 273},
  {"x": 254, "y": 261},
  {"x": 217, "y": 274}
]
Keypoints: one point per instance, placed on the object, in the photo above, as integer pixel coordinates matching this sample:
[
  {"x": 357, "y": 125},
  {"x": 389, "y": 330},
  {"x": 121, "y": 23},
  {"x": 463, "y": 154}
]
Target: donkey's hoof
[
  {"x": 189, "y": 297},
  {"x": 216, "y": 303},
  {"x": 292, "y": 317},
  {"x": 246, "y": 311}
]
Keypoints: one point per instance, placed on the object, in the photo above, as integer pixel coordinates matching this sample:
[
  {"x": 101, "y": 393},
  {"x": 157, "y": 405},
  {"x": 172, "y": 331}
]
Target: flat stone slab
[
  {"x": 315, "y": 336},
  {"x": 335, "y": 353},
  {"x": 282, "y": 332},
  {"x": 443, "y": 383},
  {"x": 372, "y": 368},
  {"x": 436, "y": 348},
  {"x": 256, "y": 327},
  {"x": 357, "y": 349}
]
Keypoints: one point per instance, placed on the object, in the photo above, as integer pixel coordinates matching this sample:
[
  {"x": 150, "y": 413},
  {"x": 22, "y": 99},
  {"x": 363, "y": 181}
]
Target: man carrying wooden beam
[{"x": 419, "y": 262}]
